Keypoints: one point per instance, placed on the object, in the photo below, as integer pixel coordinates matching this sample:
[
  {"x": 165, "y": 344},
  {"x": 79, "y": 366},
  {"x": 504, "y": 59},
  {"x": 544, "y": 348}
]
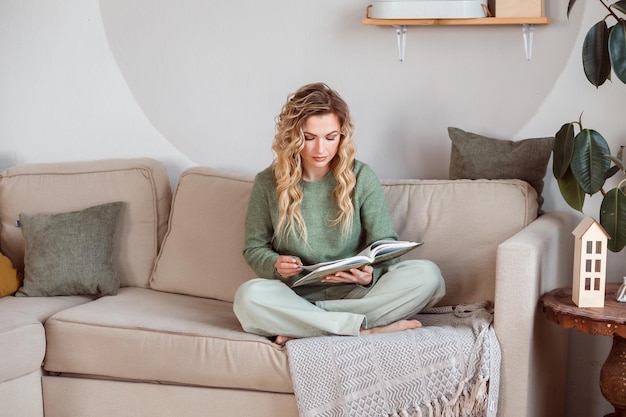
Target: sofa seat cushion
[
  {"x": 147, "y": 335},
  {"x": 41, "y": 308},
  {"x": 22, "y": 337},
  {"x": 22, "y": 397},
  {"x": 22, "y": 343}
]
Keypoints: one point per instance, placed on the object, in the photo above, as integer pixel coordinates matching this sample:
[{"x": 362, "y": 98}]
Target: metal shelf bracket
[
  {"x": 401, "y": 36},
  {"x": 527, "y": 33}
]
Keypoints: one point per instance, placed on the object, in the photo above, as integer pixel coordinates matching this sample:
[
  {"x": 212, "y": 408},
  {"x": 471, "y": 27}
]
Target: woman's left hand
[{"x": 361, "y": 276}]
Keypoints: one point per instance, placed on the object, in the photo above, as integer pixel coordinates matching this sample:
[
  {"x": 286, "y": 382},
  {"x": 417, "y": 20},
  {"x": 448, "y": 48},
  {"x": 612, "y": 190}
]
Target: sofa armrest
[{"x": 534, "y": 352}]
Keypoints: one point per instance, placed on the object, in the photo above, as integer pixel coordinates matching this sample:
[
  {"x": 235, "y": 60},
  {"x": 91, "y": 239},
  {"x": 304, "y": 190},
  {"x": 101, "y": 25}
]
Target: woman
[{"x": 317, "y": 203}]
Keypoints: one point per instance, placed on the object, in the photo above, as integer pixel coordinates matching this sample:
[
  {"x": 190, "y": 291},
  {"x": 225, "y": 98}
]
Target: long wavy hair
[{"x": 310, "y": 100}]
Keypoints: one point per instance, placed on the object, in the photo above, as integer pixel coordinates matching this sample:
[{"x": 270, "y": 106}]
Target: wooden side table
[{"x": 607, "y": 321}]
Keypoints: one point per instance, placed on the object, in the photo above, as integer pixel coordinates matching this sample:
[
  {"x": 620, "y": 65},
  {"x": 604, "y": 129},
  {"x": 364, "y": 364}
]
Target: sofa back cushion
[
  {"x": 141, "y": 184},
  {"x": 202, "y": 250},
  {"x": 461, "y": 222}
]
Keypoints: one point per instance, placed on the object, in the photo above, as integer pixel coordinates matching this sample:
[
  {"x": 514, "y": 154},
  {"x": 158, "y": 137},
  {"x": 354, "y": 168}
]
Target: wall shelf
[
  {"x": 459, "y": 22},
  {"x": 401, "y": 26}
]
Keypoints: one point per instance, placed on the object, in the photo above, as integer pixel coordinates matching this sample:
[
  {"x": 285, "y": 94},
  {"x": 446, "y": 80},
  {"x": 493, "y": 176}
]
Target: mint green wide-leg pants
[{"x": 268, "y": 307}]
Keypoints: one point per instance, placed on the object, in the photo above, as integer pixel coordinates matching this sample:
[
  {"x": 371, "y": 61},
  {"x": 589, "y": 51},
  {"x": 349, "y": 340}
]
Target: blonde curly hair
[{"x": 309, "y": 100}]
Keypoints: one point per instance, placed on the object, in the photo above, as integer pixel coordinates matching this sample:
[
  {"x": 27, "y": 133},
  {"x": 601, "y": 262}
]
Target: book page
[{"x": 378, "y": 251}]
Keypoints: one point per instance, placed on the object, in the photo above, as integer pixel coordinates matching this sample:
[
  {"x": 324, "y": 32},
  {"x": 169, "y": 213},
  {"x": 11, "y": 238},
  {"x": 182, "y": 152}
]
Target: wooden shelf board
[{"x": 473, "y": 21}]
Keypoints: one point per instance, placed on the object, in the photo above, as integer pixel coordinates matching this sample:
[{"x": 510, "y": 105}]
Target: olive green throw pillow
[
  {"x": 70, "y": 253},
  {"x": 478, "y": 157}
]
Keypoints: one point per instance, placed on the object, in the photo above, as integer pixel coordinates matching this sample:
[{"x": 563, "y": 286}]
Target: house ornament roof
[{"x": 585, "y": 224}]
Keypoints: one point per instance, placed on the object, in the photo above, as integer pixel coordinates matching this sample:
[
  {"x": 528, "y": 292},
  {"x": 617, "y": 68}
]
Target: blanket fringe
[{"x": 466, "y": 402}]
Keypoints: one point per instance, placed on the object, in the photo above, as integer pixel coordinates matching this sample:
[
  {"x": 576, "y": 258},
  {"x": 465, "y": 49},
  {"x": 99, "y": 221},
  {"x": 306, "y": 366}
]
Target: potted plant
[{"x": 582, "y": 160}]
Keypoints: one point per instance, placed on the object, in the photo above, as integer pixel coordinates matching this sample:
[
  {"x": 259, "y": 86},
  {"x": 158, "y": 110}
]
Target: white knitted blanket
[{"x": 448, "y": 368}]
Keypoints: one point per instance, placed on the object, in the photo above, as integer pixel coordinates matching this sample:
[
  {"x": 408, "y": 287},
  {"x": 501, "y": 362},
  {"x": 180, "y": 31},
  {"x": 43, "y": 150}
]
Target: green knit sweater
[{"x": 371, "y": 222}]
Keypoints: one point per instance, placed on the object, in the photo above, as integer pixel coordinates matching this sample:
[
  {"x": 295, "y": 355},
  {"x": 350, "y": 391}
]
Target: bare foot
[
  {"x": 281, "y": 340},
  {"x": 397, "y": 326}
]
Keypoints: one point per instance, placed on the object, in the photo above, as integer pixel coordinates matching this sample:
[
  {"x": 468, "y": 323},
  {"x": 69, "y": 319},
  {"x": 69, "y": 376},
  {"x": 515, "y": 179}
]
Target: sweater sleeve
[
  {"x": 259, "y": 230},
  {"x": 376, "y": 221}
]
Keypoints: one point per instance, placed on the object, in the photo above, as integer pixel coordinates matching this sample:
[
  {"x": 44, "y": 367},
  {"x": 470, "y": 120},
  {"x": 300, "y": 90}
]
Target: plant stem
[{"x": 610, "y": 10}]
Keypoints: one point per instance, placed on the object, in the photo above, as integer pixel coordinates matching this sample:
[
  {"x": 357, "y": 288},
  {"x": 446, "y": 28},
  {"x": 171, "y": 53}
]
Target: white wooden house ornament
[{"x": 589, "y": 264}]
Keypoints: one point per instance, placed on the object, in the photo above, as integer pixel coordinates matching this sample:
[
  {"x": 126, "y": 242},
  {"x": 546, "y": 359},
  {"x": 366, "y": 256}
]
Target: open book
[{"x": 379, "y": 251}]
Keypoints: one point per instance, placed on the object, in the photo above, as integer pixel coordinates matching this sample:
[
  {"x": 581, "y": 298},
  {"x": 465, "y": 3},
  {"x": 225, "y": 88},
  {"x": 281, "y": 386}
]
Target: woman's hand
[
  {"x": 361, "y": 276},
  {"x": 288, "y": 266}
]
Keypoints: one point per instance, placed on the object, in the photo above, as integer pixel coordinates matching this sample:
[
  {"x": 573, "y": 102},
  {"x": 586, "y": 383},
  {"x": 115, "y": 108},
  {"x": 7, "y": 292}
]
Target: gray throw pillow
[
  {"x": 478, "y": 157},
  {"x": 70, "y": 253}
]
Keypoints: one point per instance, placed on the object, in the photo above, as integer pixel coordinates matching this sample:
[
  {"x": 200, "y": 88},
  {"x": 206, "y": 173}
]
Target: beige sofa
[{"x": 168, "y": 343}]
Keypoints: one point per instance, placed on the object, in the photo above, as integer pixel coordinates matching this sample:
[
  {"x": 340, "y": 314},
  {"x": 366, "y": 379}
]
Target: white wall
[{"x": 198, "y": 82}]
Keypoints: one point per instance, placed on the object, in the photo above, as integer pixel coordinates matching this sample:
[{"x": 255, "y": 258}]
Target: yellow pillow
[{"x": 9, "y": 279}]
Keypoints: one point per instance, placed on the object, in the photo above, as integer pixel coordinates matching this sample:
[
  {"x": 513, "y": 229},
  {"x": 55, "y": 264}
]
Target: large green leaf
[
  {"x": 620, "y": 163},
  {"x": 563, "y": 150},
  {"x": 617, "y": 50},
  {"x": 620, "y": 5},
  {"x": 613, "y": 218},
  {"x": 612, "y": 171},
  {"x": 569, "y": 6},
  {"x": 596, "y": 60},
  {"x": 589, "y": 164},
  {"x": 571, "y": 191}
]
